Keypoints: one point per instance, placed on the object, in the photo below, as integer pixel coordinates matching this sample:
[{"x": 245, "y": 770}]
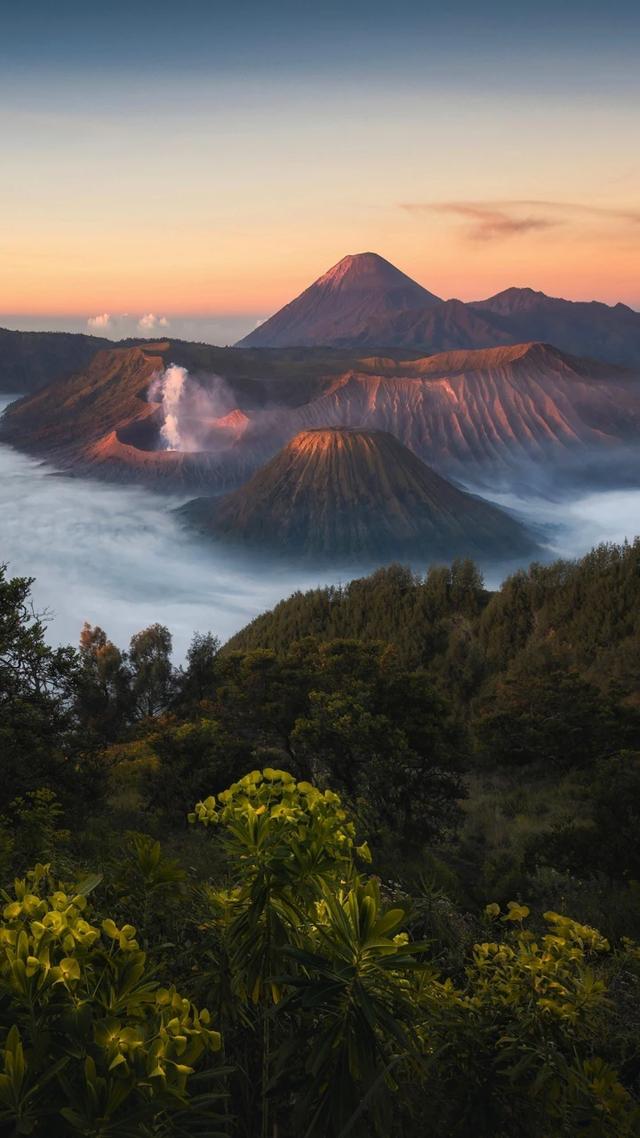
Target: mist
[{"x": 118, "y": 557}]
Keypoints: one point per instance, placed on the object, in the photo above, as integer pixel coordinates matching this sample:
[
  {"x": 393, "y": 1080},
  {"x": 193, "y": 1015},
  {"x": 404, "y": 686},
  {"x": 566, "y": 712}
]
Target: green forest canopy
[{"x": 420, "y": 801}]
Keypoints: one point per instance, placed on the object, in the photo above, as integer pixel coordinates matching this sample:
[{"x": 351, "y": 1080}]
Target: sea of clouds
[{"x": 117, "y": 556}]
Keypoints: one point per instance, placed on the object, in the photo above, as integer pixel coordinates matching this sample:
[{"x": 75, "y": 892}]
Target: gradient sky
[{"x": 201, "y": 163}]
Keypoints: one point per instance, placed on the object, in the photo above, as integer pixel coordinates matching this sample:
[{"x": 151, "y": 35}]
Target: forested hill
[
  {"x": 586, "y": 611},
  {"x": 393, "y": 604},
  {"x": 415, "y": 850}
]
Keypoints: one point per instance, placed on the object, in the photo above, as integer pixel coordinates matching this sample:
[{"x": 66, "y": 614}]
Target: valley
[
  {"x": 121, "y": 550},
  {"x": 320, "y": 570},
  {"x": 524, "y": 414},
  {"x": 204, "y": 464}
]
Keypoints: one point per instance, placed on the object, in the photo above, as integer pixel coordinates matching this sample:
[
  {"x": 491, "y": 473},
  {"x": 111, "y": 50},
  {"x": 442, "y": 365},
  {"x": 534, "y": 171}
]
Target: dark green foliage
[
  {"x": 392, "y": 605},
  {"x": 407, "y": 795},
  {"x": 196, "y": 682},
  {"x": 151, "y": 670},
  {"x": 606, "y": 838},
  {"x": 193, "y": 758},
  {"x": 487, "y": 744},
  {"x": 588, "y": 611},
  {"x": 105, "y": 701},
  {"x": 36, "y": 685},
  {"x": 543, "y": 711}
]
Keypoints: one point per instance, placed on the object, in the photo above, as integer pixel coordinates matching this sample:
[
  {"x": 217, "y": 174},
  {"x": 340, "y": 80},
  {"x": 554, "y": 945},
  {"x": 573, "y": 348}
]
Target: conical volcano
[
  {"x": 340, "y": 308},
  {"x": 336, "y": 493}
]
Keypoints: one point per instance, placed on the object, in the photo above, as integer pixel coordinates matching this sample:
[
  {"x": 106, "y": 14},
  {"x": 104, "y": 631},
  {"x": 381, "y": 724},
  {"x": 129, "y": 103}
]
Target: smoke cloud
[
  {"x": 168, "y": 388},
  {"x": 196, "y": 412}
]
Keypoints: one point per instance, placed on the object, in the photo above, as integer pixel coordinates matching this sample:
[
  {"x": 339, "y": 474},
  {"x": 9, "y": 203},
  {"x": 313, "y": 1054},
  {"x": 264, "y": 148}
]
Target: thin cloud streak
[{"x": 494, "y": 220}]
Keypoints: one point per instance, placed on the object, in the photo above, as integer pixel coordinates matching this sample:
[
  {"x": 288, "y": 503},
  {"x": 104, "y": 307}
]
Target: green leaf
[{"x": 88, "y": 884}]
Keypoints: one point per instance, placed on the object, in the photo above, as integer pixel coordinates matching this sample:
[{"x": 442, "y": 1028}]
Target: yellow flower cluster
[
  {"x": 551, "y": 973},
  {"x": 274, "y": 798},
  {"x": 51, "y": 956}
]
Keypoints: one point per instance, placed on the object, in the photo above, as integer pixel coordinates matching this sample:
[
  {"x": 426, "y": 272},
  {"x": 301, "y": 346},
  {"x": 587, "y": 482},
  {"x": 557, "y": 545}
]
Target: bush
[{"x": 91, "y": 1044}]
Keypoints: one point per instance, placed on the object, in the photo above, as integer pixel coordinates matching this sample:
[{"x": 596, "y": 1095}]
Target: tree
[
  {"x": 507, "y": 621},
  {"x": 605, "y": 839},
  {"x": 151, "y": 668},
  {"x": 192, "y": 758},
  {"x": 544, "y": 712},
  {"x": 104, "y": 699},
  {"x": 37, "y": 746},
  {"x": 197, "y": 681},
  {"x": 402, "y": 791}
]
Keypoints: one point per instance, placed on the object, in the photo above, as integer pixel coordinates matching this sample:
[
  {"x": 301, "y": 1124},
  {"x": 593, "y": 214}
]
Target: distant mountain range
[
  {"x": 100, "y": 421},
  {"x": 483, "y": 414},
  {"x": 362, "y": 306},
  {"x": 30, "y": 360},
  {"x": 355, "y": 494},
  {"x": 364, "y": 302},
  {"x": 488, "y": 417}
]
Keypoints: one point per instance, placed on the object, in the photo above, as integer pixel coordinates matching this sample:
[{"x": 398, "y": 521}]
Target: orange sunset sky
[{"x": 193, "y": 186}]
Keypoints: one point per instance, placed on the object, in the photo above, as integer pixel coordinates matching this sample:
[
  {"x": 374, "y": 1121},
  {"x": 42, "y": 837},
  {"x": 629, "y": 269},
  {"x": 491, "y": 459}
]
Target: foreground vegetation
[{"x": 370, "y": 869}]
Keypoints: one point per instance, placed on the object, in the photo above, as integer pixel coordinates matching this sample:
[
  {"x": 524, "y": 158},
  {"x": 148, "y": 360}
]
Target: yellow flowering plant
[{"x": 90, "y": 1043}]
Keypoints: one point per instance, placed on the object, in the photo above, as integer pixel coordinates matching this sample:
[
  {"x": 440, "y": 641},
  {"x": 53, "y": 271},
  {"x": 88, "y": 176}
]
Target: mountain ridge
[
  {"x": 478, "y": 415},
  {"x": 424, "y": 322}
]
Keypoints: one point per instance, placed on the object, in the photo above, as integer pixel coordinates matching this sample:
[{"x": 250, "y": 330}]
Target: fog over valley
[{"x": 117, "y": 556}]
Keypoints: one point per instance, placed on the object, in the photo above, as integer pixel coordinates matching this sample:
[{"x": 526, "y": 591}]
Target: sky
[{"x": 191, "y": 167}]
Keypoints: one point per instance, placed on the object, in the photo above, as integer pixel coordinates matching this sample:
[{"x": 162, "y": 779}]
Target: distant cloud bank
[
  {"x": 99, "y": 323},
  {"x": 124, "y": 324},
  {"x": 216, "y": 328},
  {"x": 149, "y": 322}
]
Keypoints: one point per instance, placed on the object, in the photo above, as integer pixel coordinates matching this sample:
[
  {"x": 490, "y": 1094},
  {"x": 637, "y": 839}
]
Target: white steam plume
[
  {"x": 167, "y": 388},
  {"x": 193, "y": 414}
]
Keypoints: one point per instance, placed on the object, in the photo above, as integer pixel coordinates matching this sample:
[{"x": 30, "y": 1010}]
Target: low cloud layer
[{"x": 117, "y": 556}]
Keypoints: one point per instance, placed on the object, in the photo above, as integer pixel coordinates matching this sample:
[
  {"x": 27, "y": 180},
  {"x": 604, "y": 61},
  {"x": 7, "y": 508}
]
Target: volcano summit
[
  {"x": 341, "y": 493},
  {"x": 366, "y": 303},
  {"x": 344, "y": 307}
]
